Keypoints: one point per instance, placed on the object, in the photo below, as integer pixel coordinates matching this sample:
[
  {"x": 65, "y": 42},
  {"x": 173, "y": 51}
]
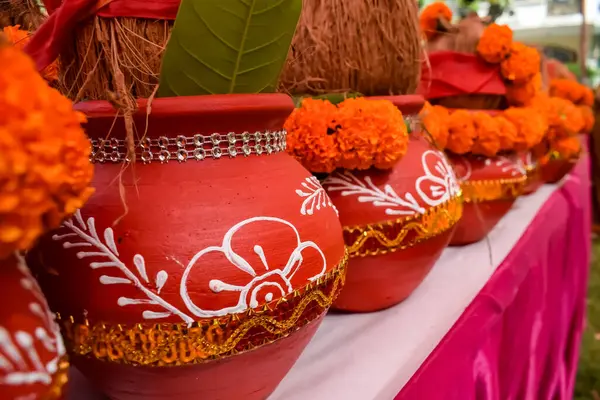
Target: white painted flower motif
[
  {"x": 439, "y": 184},
  {"x": 263, "y": 282},
  {"x": 274, "y": 281},
  {"x": 507, "y": 165},
  {"x": 20, "y": 362},
  {"x": 315, "y": 197},
  {"x": 350, "y": 185}
]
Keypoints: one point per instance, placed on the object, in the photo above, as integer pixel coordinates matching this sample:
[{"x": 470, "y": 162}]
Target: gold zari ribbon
[
  {"x": 490, "y": 190},
  {"x": 170, "y": 344},
  {"x": 390, "y": 236}
]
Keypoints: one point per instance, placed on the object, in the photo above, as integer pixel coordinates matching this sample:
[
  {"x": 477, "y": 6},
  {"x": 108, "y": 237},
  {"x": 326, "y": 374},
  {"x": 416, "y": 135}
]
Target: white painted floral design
[
  {"x": 439, "y": 184},
  {"x": 315, "y": 196},
  {"x": 84, "y": 235},
  {"x": 435, "y": 186},
  {"x": 20, "y": 362},
  {"x": 271, "y": 281},
  {"x": 507, "y": 165}
]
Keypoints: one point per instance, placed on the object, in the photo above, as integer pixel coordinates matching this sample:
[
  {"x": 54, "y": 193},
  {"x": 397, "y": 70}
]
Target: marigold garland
[
  {"x": 462, "y": 133},
  {"x": 19, "y": 38},
  {"x": 572, "y": 91},
  {"x": 530, "y": 124},
  {"x": 523, "y": 94},
  {"x": 45, "y": 170},
  {"x": 507, "y": 132},
  {"x": 357, "y": 134},
  {"x": 521, "y": 65},
  {"x": 495, "y": 43},
  {"x": 310, "y": 136},
  {"x": 566, "y": 148},
  {"x": 488, "y": 134},
  {"x": 435, "y": 119},
  {"x": 428, "y": 20},
  {"x": 588, "y": 118},
  {"x": 370, "y": 133}
]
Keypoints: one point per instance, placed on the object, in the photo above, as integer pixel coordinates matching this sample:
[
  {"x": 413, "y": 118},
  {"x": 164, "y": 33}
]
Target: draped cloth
[{"x": 519, "y": 339}]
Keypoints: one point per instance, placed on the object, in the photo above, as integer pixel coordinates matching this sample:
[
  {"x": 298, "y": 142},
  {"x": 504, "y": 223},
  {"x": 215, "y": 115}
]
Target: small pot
[
  {"x": 396, "y": 222},
  {"x": 490, "y": 187},
  {"x": 534, "y": 174}
]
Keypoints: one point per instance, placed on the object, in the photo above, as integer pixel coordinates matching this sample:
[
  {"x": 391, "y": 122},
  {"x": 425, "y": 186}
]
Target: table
[{"x": 500, "y": 319}]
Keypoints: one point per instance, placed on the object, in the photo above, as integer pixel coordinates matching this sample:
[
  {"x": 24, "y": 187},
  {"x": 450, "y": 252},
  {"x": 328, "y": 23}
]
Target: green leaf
[{"x": 228, "y": 46}]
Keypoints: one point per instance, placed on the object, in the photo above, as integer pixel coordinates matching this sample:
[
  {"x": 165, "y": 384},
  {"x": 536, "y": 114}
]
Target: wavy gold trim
[
  {"x": 490, "y": 190},
  {"x": 390, "y": 236},
  {"x": 208, "y": 339}
]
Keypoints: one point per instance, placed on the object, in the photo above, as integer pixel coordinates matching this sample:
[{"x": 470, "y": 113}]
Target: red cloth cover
[{"x": 450, "y": 73}]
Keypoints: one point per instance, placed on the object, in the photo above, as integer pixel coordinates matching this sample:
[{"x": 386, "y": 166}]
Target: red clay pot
[
  {"x": 394, "y": 206},
  {"x": 225, "y": 262},
  {"x": 531, "y": 165},
  {"x": 554, "y": 170},
  {"x": 32, "y": 355},
  {"x": 490, "y": 187}
]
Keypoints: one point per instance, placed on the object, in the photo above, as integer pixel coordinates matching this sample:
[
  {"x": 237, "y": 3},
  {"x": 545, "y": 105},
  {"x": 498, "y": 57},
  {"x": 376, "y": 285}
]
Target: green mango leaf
[{"x": 228, "y": 46}]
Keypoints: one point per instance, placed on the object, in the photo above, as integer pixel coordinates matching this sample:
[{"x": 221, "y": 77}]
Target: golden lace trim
[
  {"x": 59, "y": 380},
  {"x": 490, "y": 190},
  {"x": 208, "y": 339},
  {"x": 390, "y": 236}
]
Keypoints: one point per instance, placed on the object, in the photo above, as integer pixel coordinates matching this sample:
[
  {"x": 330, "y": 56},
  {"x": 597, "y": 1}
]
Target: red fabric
[
  {"x": 450, "y": 73},
  {"x": 519, "y": 339},
  {"x": 151, "y": 9},
  {"x": 49, "y": 40}
]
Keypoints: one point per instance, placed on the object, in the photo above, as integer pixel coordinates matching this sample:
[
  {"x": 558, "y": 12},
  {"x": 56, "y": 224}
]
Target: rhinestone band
[{"x": 183, "y": 148}]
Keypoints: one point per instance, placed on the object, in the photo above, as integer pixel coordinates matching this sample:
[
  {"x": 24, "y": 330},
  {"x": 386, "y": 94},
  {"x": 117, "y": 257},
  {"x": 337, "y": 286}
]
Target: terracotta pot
[
  {"x": 554, "y": 170},
  {"x": 396, "y": 222},
  {"x": 490, "y": 187},
  {"x": 532, "y": 167},
  {"x": 33, "y": 361},
  {"x": 228, "y": 252}
]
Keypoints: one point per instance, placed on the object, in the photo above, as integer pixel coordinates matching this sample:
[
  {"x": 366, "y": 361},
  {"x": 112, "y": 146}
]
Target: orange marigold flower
[
  {"x": 573, "y": 91},
  {"x": 522, "y": 63},
  {"x": 311, "y": 135},
  {"x": 45, "y": 170},
  {"x": 370, "y": 133},
  {"x": 567, "y": 148},
  {"x": 19, "y": 38},
  {"x": 488, "y": 134},
  {"x": 462, "y": 133},
  {"x": 522, "y": 94},
  {"x": 530, "y": 124},
  {"x": 435, "y": 120},
  {"x": 588, "y": 118},
  {"x": 507, "y": 132},
  {"x": 495, "y": 43},
  {"x": 428, "y": 20},
  {"x": 564, "y": 118}
]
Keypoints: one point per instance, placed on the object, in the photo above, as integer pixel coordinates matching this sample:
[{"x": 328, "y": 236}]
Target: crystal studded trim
[{"x": 184, "y": 148}]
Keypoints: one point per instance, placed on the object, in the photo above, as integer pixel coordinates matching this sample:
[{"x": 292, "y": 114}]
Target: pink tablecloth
[{"x": 519, "y": 339}]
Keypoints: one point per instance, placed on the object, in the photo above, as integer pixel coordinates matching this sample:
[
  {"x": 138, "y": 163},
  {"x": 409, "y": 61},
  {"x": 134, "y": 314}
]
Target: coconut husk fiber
[
  {"x": 114, "y": 59},
  {"x": 368, "y": 46},
  {"x": 26, "y": 13}
]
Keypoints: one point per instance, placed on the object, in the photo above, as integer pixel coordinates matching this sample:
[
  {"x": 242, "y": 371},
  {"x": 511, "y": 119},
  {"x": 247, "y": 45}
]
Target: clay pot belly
[
  {"x": 396, "y": 224},
  {"x": 220, "y": 269},
  {"x": 490, "y": 188}
]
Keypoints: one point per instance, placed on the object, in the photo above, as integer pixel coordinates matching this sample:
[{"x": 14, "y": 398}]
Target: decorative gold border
[
  {"x": 390, "y": 236},
  {"x": 208, "y": 339},
  {"x": 59, "y": 381},
  {"x": 491, "y": 190}
]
